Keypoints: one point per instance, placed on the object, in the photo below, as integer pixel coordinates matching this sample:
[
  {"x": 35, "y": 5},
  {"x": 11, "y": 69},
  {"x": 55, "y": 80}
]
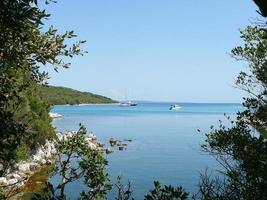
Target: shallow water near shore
[{"x": 165, "y": 145}]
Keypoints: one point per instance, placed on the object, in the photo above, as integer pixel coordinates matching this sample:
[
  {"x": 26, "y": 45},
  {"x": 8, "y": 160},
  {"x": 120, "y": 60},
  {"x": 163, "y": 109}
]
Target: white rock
[
  {"x": 22, "y": 175},
  {"x": 33, "y": 166},
  {"x": 1, "y": 166},
  {"x": 69, "y": 134},
  {"x": 48, "y": 162},
  {"x": 48, "y": 153},
  {"x": 36, "y": 157},
  {"x": 13, "y": 175},
  {"x": 43, "y": 161},
  {"x": 24, "y": 167},
  {"x": 87, "y": 139},
  {"x": 8, "y": 171},
  {"x": 54, "y": 149},
  {"x": 20, "y": 184},
  {"x": 3, "y": 181},
  {"x": 109, "y": 150},
  {"x": 39, "y": 155},
  {"x": 12, "y": 181},
  {"x": 9, "y": 176},
  {"x": 91, "y": 145},
  {"x": 17, "y": 176},
  {"x": 60, "y": 136},
  {"x": 92, "y": 136}
]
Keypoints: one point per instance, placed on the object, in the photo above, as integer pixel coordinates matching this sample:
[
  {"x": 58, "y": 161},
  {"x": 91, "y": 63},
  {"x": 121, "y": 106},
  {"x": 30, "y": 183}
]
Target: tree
[
  {"x": 241, "y": 149},
  {"x": 76, "y": 160},
  {"x": 262, "y": 6},
  {"x": 24, "y": 47},
  {"x": 166, "y": 193}
]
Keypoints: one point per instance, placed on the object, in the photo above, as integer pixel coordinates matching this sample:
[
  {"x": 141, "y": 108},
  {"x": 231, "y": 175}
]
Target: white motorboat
[{"x": 175, "y": 107}]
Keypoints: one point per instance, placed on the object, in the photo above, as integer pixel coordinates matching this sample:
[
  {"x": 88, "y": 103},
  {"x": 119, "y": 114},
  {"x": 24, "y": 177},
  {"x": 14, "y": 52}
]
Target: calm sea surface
[{"x": 165, "y": 146}]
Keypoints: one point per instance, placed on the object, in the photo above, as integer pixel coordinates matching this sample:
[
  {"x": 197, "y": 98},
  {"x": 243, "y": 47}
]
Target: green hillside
[{"x": 62, "y": 95}]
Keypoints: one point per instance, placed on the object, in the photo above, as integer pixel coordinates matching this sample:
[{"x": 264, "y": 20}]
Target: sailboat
[{"x": 128, "y": 103}]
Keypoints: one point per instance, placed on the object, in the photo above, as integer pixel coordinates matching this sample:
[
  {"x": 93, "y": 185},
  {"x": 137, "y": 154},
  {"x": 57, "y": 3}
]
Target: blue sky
[{"x": 160, "y": 50}]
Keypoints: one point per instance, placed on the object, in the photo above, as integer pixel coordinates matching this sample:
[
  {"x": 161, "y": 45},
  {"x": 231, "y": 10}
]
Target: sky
[{"x": 157, "y": 50}]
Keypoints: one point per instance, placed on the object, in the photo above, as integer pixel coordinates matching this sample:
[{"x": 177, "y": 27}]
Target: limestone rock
[
  {"x": 3, "y": 181},
  {"x": 12, "y": 181},
  {"x": 92, "y": 136},
  {"x": 109, "y": 151},
  {"x": 23, "y": 167},
  {"x": 121, "y": 148},
  {"x": 60, "y": 136},
  {"x": 48, "y": 162},
  {"x": 33, "y": 166},
  {"x": 22, "y": 175},
  {"x": 43, "y": 161},
  {"x": 17, "y": 176},
  {"x": 1, "y": 166}
]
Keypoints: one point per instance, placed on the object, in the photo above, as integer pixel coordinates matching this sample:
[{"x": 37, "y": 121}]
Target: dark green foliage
[
  {"x": 24, "y": 47},
  {"x": 21, "y": 152},
  {"x": 10, "y": 133},
  {"x": 166, "y": 193},
  {"x": 262, "y": 4},
  {"x": 61, "y": 95},
  {"x": 2, "y": 196},
  {"x": 91, "y": 166},
  {"x": 241, "y": 149},
  {"x": 254, "y": 82},
  {"x": 35, "y": 114},
  {"x": 96, "y": 179},
  {"x": 124, "y": 192}
]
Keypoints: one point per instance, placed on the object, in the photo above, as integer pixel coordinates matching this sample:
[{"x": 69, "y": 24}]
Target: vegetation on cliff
[{"x": 61, "y": 95}]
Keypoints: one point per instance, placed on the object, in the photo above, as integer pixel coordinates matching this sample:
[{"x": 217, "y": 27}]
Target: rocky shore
[{"x": 17, "y": 176}]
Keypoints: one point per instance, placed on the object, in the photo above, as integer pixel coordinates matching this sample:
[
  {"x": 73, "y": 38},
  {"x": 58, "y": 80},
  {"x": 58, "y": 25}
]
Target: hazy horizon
[{"x": 153, "y": 101}]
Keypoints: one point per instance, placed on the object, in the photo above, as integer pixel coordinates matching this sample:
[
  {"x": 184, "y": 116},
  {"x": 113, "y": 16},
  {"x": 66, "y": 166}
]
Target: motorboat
[{"x": 175, "y": 107}]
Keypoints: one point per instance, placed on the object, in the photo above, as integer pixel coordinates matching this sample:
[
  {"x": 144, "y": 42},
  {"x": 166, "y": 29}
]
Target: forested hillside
[{"x": 61, "y": 95}]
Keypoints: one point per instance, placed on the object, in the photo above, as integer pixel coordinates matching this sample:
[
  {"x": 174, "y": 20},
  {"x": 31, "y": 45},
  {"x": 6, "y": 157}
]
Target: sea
[{"x": 165, "y": 146}]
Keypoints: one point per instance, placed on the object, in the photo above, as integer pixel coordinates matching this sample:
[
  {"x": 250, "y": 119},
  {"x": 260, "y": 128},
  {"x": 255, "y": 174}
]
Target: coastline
[
  {"x": 86, "y": 104},
  {"x": 17, "y": 177}
]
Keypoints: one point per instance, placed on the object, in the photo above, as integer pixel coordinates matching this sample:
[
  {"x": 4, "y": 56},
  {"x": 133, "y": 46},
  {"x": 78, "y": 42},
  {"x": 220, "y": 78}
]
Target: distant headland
[{"x": 55, "y": 95}]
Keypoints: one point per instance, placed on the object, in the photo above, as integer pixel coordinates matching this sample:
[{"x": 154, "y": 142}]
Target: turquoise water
[{"x": 165, "y": 146}]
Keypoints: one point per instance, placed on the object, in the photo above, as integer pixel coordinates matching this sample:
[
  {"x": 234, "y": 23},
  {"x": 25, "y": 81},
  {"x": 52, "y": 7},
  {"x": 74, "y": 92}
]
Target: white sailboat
[{"x": 128, "y": 103}]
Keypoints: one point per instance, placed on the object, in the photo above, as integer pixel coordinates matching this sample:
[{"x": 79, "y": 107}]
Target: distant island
[{"x": 62, "y": 95}]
